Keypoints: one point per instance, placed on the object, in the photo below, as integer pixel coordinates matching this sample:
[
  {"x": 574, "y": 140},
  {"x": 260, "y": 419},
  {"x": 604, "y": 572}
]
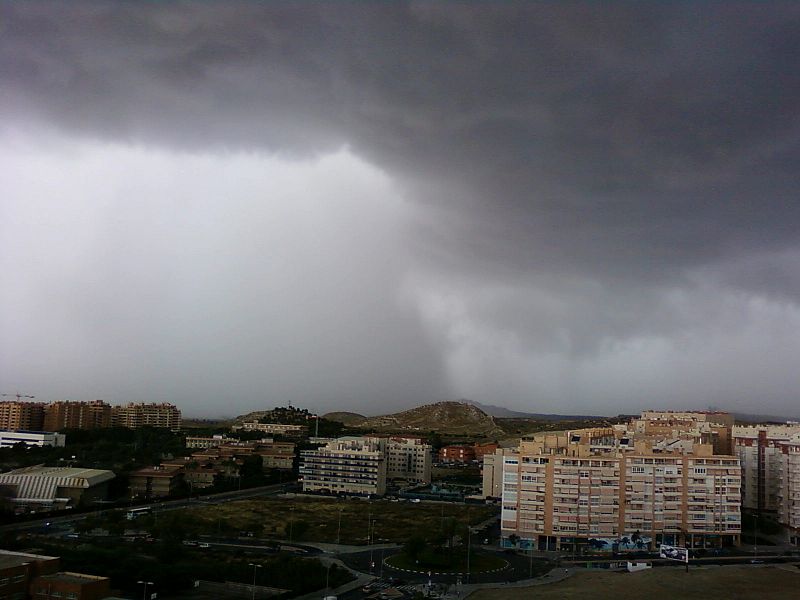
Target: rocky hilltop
[{"x": 443, "y": 417}]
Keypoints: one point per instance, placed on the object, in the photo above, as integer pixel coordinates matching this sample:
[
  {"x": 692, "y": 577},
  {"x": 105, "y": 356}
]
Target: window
[{"x": 637, "y": 469}]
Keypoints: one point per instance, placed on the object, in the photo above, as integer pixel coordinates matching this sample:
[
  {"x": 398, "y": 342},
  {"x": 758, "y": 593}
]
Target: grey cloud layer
[{"x": 575, "y": 168}]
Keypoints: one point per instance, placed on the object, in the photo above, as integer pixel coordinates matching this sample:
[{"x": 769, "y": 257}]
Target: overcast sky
[{"x": 553, "y": 207}]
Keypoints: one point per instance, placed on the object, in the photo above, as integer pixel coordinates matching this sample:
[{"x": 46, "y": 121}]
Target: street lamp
[
  {"x": 755, "y": 535},
  {"x": 255, "y": 570},
  {"x": 339, "y": 526},
  {"x": 371, "y": 535},
  {"x": 144, "y": 591},
  {"x": 291, "y": 522}
]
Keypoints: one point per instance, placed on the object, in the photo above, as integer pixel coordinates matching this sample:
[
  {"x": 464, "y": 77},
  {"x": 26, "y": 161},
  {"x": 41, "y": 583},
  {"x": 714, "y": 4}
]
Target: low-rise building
[
  {"x": 156, "y": 482},
  {"x": 9, "y": 439},
  {"x": 69, "y": 586},
  {"x": 273, "y": 428},
  {"x": 195, "y": 442},
  {"x": 457, "y": 454},
  {"x": 53, "y": 488},
  {"x": 25, "y": 575}
]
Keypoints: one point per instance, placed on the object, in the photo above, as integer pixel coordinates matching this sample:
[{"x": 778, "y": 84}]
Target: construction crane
[{"x": 18, "y": 396}]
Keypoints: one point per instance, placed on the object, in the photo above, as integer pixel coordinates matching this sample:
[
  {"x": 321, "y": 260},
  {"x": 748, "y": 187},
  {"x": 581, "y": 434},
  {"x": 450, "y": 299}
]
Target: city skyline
[{"x": 576, "y": 209}]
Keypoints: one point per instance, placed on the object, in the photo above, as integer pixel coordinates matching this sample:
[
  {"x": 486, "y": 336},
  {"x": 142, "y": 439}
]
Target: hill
[
  {"x": 349, "y": 419},
  {"x": 453, "y": 418}
]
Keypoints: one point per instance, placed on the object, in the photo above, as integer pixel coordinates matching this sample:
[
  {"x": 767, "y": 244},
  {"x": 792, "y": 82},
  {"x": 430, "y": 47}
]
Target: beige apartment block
[
  {"x": 789, "y": 488},
  {"x": 347, "y": 465},
  {"x": 24, "y": 416},
  {"x": 142, "y": 414},
  {"x": 596, "y": 489},
  {"x": 759, "y": 450},
  {"x": 68, "y": 414},
  {"x": 492, "y": 473},
  {"x": 408, "y": 458}
]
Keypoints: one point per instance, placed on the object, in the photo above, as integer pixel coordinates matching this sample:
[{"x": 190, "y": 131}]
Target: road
[{"x": 267, "y": 490}]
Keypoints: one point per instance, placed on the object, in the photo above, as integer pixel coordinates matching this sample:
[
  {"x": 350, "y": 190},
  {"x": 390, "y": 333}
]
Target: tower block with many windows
[{"x": 601, "y": 488}]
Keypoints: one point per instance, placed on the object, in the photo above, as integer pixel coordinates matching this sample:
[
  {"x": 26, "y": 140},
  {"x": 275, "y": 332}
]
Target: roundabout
[{"x": 479, "y": 564}]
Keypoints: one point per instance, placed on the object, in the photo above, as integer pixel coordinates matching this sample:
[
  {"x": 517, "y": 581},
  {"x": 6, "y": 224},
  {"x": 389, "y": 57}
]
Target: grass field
[
  {"x": 730, "y": 582},
  {"x": 317, "y": 519}
]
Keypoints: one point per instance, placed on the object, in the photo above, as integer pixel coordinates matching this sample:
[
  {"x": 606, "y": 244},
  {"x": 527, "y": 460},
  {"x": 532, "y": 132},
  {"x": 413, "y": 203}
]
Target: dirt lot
[
  {"x": 731, "y": 583},
  {"x": 317, "y": 519}
]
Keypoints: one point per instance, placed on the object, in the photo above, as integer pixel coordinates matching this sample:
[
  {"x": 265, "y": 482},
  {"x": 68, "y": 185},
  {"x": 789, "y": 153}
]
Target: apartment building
[
  {"x": 156, "y": 482},
  {"x": 348, "y": 465},
  {"x": 492, "y": 473},
  {"x": 409, "y": 459},
  {"x": 9, "y": 439},
  {"x": 788, "y": 498},
  {"x": 601, "y": 489},
  {"x": 759, "y": 450},
  {"x": 17, "y": 415},
  {"x": 95, "y": 414},
  {"x": 703, "y": 427},
  {"x": 134, "y": 415}
]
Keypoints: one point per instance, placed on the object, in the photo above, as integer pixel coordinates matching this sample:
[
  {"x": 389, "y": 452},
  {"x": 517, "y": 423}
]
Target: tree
[
  {"x": 415, "y": 546},
  {"x": 514, "y": 539}
]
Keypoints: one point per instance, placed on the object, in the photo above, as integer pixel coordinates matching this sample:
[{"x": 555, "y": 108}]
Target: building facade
[
  {"x": 759, "y": 450},
  {"x": 587, "y": 490},
  {"x": 16, "y": 415},
  {"x": 348, "y": 465},
  {"x": 789, "y": 488},
  {"x": 134, "y": 415},
  {"x": 273, "y": 428},
  {"x": 76, "y": 415},
  {"x": 409, "y": 459},
  {"x": 457, "y": 454},
  {"x": 9, "y": 439},
  {"x": 156, "y": 482}
]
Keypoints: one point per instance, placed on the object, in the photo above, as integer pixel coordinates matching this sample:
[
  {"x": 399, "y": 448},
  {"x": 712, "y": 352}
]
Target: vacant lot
[
  {"x": 317, "y": 519},
  {"x": 731, "y": 583}
]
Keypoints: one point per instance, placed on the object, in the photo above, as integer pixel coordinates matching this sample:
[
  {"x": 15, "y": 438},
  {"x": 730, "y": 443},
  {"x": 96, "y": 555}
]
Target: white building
[
  {"x": 54, "y": 488},
  {"x": 348, "y": 465},
  {"x": 31, "y": 438}
]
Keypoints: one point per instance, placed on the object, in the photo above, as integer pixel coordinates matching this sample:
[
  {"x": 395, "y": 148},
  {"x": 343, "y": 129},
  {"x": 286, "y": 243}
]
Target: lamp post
[
  {"x": 255, "y": 570},
  {"x": 755, "y": 535},
  {"x": 144, "y": 591},
  {"x": 291, "y": 522},
  {"x": 371, "y": 535},
  {"x": 339, "y": 526}
]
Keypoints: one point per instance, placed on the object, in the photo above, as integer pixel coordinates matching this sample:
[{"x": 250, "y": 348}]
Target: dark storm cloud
[{"x": 582, "y": 173}]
